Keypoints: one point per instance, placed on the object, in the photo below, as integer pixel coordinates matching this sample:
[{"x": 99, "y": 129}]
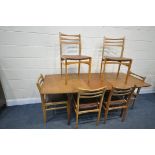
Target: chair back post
[
  {"x": 101, "y": 99},
  {"x": 130, "y": 95},
  {"x": 80, "y": 45},
  {"x": 109, "y": 97},
  {"x": 122, "y": 51},
  {"x": 60, "y": 44}
]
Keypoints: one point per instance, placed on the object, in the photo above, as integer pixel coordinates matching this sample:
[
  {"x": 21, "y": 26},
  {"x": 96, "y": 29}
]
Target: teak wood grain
[{"x": 54, "y": 84}]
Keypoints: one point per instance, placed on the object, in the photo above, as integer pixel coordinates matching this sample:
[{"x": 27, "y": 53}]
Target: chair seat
[
  {"x": 115, "y": 58},
  {"x": 88, "y": 106},
  {"x": 116, "y": 105},
  {"x": 74, "y": 57},
  {"x": 56, "y": 97}
]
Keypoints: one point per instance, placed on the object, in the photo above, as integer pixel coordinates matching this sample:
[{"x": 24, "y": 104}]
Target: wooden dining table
[{"x": 55, "y": 83}]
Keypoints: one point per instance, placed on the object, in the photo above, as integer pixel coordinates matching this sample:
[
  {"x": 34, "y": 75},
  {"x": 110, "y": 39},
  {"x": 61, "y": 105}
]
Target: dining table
[{"x": 55, "y": 83}]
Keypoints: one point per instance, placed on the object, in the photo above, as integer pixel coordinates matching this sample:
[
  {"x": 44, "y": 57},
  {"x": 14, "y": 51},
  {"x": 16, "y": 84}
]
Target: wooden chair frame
[
  {"x": 115, "y": 42},
  {"x": 50, "y": 105},
  {"x": 79, "y": 59},
  {"x": 137, "y": 89},
  {"x": 123, "y": 97},
  {"x": 89, "y": 94}
]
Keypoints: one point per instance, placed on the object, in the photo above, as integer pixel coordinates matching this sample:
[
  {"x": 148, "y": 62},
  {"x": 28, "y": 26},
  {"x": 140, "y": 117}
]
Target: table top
[{"x": 54, "y": 84}]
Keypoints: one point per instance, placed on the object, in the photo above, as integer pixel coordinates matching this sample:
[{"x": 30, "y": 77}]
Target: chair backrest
[
  {"x": 113, "y": 43},
  {"x": 137, "y": 76},
  {"x": 120, "y": 94},
  {"x": 40, "y": 82},
  {"x": 91, "y": 94},
  {"x": 142, "y": 78},
  {"x": 72, "y": 41}
]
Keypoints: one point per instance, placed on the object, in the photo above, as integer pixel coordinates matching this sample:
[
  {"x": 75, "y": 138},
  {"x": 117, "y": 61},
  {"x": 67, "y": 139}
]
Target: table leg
[
  {"x": 69, "y": 108},
  {"x": 118, "y": 69},
  {"x": 105, "y": 61},
  {"x": 128, "y": 72}
]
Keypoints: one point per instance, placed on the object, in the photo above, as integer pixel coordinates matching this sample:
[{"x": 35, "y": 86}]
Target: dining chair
[
  {"x": 116, "y": 47},
  {"x": 88, "y": 101},
  {"x": 71, "y": 45},
  {"x": 52, "y": 101},
  {"x": 118, "y": 98},
  {"x": 137, "y": 89}
]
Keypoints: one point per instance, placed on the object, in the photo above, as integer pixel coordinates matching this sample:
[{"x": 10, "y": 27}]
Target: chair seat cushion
[
  {"x": 74, "y": 57},
  {"x": 87, "y": 106},
  {"x": 88, "y": 103},
  {"x": 115, "y": 104},
  {"x": 56, "y": 97}
]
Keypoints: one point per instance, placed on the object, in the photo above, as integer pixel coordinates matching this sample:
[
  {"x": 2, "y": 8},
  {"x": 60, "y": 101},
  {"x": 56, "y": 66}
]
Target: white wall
[{"x": 25, "y": 52}]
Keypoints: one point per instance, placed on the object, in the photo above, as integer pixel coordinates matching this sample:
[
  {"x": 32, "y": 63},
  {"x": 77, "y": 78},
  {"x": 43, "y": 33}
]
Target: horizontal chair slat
[
  {"x": 73, "y": 35},
  {"x": 93, "y": 96},
  {"x": 77, "y": 39},
  {"x": 107, "y": 38},
  {"x": 120, "y": 107},
  {"x": 113, "y": 42},
  {"x": 55, "y": 103},
  {"x": 107, "y": 45},
  {"x": 91, "y": 93},
  {"x": 87, "y": 111},
  {"x": 56, "y": 108},
  {"x": 64, "y": 42}
]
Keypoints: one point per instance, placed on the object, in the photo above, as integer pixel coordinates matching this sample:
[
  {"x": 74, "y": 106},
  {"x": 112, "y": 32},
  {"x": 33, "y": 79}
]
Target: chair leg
[
  {"x": 77, "y": 120},
  {"x": 98, "y": 117},
  {"x": 121, "y": 113},
  {"x": 124, "y": 114},
  {"x": 119, "y": 66},
  {"x": 104, "y": 66},
  {"x": 61, "y": 67},
  {"x": 101, "y": 68},
  {"x": 89, "y": 70},
  {"x": 66, "y": 72},
  {"x": 133, "y": 103},
  {"x": 105, "y": 115},
  {"x": 129, "y": 67},
  {"x": 44, "y": 116},
  {"x": 68, "y": 111},
  {"x": 79, "y": 65}
]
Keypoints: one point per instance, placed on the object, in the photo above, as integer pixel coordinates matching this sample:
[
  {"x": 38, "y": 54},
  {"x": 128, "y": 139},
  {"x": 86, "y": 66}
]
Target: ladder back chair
[
  {"x": 88, "y": 101},
  {"x": 78, "y": 58},
  {"x": 137, "y": 89},
  {"x": 118, "y": 99},
  {"x": 53, "y": 101},
  {"x": 120, "y": 60}
]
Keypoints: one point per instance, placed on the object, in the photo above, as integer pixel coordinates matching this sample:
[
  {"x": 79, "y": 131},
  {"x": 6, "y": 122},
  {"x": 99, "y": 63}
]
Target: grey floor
[{"x": 30, "y": 117}]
